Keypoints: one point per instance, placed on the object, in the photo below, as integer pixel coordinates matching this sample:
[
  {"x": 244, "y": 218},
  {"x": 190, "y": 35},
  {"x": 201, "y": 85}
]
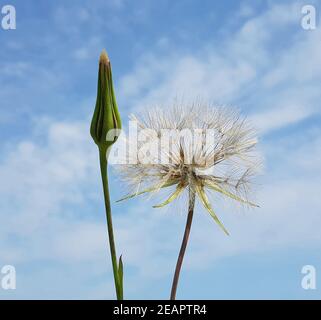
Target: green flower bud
[{"x": 106, "y": 124}]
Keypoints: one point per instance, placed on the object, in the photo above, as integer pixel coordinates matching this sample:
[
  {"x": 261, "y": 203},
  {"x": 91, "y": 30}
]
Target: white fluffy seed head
[{"x": 198, "y": 146}]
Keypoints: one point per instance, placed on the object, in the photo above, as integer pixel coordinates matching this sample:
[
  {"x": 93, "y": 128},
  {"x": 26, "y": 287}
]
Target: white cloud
[
  {"x": 279, "y": 89},
  {"x": 61, "y": 172},
  {"x": 50, "y": 184},
  {"x": 280, "y": 116},
  {"x": 39, "y": 177}
]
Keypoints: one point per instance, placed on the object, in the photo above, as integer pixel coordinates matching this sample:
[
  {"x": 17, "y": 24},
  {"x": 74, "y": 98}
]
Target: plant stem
[
  {"x": 184, "y": 243},
  {"x": 103, "y": 169}
]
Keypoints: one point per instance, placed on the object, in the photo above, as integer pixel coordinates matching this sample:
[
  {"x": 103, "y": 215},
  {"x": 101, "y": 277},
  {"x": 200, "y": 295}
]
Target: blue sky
[{"x": 252, "y": 55}]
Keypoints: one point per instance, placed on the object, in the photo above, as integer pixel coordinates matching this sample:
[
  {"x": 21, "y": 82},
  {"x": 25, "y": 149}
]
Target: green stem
[
  {"x": 184, "y": 243},
  {"x": 103, "y": 169}
]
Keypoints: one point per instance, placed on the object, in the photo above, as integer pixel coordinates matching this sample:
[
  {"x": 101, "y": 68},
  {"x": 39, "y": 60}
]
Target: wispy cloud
[
  {"x": 278, "y": 88},
  {"x": 50, "y": 192}
]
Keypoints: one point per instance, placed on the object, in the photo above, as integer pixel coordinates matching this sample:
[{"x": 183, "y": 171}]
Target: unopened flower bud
[{"x": 106, "y": 124}]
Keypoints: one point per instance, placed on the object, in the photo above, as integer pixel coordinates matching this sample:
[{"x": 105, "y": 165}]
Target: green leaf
[
  {"x": 165, "y": 185},
  {"x": 180, "y": 188},
  {"x": 216, "y": 187},
  {"x": 120, "y": 276},
  {"x": 203, "y": 197}
]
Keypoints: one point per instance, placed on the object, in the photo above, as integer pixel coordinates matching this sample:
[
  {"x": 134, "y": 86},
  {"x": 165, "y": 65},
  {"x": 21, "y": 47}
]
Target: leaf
[
  {"x": 216, "y": 187},
  {"x": 168, "y": 184},
  {"x": 179, "y": 189},
  {"x": 207, "y": 205},
  {"x": 120, "y": 276}
]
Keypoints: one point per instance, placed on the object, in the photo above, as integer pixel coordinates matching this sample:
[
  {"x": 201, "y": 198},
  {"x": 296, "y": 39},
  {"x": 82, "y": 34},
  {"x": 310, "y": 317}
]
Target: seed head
[{"x": 213, "y": 150}]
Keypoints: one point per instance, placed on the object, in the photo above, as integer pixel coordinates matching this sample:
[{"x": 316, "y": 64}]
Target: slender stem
[
  {"x": 103, "y": 169},
  {"x": 184, "y": 243}
]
